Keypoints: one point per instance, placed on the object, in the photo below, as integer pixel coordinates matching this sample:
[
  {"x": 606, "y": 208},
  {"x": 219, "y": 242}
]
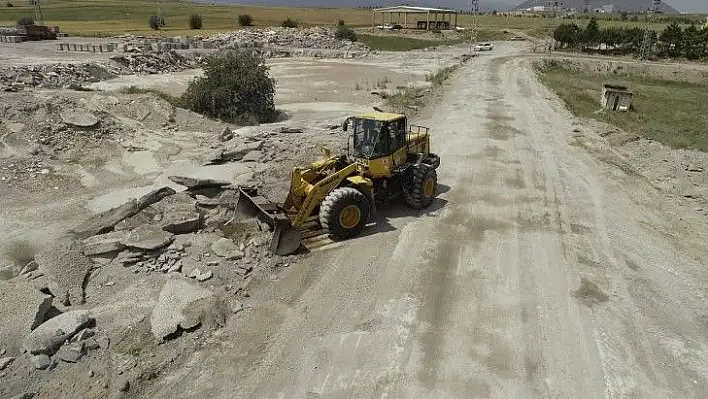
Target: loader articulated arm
[{"x": 315, "y": 193}]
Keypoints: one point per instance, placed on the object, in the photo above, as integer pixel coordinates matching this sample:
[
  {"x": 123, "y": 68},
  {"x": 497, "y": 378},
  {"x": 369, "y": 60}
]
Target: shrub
[
  {"x": 195, "y": 21},
  {"x": 235, "y": 88},
  {"x": 344, "y": 33},
  {"x": 340, "y": 22},
  {"x": 245, "y": 20},
  {"x": 155, "y": 22},
  {"x": 24, "y": 21},
  {"x": 289, "y": 23},
  {"x": 9, "y": 4}
]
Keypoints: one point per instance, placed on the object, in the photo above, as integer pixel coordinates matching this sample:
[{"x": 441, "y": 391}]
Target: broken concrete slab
[
  {"x": 195, "y": 183},
  {"x": 145, "y": 216},
  {"x": 226, "y": 248},
  {"x": 290, "y": 130},
  {"x": 236, "y": 153},
  {"x": 252, "y": 156},
  {"x": 169, "y": 314},
  {"x": 227, "y": 134},
  {"x": 47, "y": 338},
  {"x": 22, "y": 309},
  {"x": 148, "y": 238},
  {"x": 106, "y": 221},
  {"x": 72, "y": 353},
  {"x": 179, "y": 214},
  {"x": 205, "y": 276},
  {"x": 29, "y": 268},
  {"x": 6, "y": 361},
  {"x": 104, "y": 243},
  {"x": 41, "y": 361},
  {"x": 78, "y": 117},
  {"x": 66, "y": 268}
]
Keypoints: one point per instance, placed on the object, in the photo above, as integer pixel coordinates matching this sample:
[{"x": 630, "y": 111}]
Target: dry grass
[
  {"x": 672, "y": 113},
  {"x": 114, "y": 17}
]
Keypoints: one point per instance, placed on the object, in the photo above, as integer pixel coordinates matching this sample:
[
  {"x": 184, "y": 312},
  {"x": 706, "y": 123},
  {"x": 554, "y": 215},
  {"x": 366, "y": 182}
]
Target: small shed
[
  {"x": 616, "y": 97},
  {"x": 425, "y": 18}
]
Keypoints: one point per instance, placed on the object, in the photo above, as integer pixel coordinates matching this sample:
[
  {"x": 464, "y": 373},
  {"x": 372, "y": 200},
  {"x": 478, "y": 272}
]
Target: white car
[{"x": 484, "y": 47}]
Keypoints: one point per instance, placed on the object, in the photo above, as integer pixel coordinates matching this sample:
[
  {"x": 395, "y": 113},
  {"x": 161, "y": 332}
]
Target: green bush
[
  {"x": 289, "y": 23},
  {"x": 9, "y": 4},
  {"x": 235, "y": 88},
  {"x": 245, "y": 20},
  {"x": 344, "y": 33},
  {"x": 195, "y": 21},
  {"x": 24, "y": 21},
  {"x": 155, "y": 22}
]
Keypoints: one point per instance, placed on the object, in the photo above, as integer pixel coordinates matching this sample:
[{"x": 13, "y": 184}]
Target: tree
[
  {"x": 568, "y": 35},
  {"x": 623, "y": 16},
  {"x": 344, "y": 33},
  {"x": 672, "y": 40},
  {"x": 692, "y": 45},
  {"x": 289, "y": 23},
  {"x": 245, "y": 20},
  {"x": 155, "y": 22},
  {"x": 195, "y": 21},
  {"x": 24, "y": 21},
  {"x": 591, "y": 34},
  {"x": 235, "y": 88}
]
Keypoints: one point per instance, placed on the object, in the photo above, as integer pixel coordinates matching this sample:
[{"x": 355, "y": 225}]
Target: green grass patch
[
  {"x": 398, "y": 43},
  {"x": 175, "y": 101},
  {"x": 672, "y": 113}
]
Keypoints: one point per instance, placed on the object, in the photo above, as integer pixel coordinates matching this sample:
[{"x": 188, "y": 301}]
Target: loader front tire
[
  {"x": 421, "y": 186},
  {"x": 344, "y": 212}
]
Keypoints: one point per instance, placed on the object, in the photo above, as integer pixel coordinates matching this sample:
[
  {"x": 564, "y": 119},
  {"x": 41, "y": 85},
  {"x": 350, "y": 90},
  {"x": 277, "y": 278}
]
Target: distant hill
[
  {"x": 619, "y": 5},
  {"x": 454, "y": 4}
]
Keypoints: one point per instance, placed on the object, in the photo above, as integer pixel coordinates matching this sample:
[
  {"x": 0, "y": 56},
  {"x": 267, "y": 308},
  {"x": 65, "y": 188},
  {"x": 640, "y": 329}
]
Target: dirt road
[{"x": 545, "y": 268}]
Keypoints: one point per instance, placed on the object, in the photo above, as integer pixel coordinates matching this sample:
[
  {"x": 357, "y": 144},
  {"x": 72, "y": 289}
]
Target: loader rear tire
[
  {"x": 344, "y": 212},
  {"x": 421, "y": 186}
]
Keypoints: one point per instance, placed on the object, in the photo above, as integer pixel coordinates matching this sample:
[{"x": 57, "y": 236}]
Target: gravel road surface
[{"x": 545, "y": 268}]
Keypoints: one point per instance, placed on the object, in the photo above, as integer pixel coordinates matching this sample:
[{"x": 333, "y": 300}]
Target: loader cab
[{"x": 378, "y": 139}]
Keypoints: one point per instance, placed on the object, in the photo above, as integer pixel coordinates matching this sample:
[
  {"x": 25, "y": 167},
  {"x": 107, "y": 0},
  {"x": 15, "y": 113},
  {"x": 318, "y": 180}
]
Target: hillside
[
  {"x": 619, "y": 5},
  {"x": 455, "y": 4}
]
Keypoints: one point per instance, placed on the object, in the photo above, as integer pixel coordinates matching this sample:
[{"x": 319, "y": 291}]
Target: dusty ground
[
  {"x": 545, "y": 266},
  {"x": 551, "y": 262},
  {"x": 55, "y": 175}
]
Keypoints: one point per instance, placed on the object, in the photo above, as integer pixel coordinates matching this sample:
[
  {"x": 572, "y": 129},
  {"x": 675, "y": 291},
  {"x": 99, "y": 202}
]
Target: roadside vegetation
[
  {"x": 669, "y": 112},
  {"x": 674, "y": 41}
]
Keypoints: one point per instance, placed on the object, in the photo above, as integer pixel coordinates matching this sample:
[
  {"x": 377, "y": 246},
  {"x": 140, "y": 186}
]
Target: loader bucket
[{"x": 286, "y": 239}]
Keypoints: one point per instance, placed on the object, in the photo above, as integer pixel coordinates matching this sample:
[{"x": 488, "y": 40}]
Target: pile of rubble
[
  {"x": 153, "y": 62},
  {"x": 309, "y": 38},
  {"x": 55, "y": 75}
]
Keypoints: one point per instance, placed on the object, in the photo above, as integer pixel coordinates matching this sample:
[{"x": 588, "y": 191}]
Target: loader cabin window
[{"x": 374, "y": 139}]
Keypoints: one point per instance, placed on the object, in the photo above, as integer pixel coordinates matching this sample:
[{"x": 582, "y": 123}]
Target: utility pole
[
  {"x": 474, "y": 7},
  {"x": 550, "y": 40},
  {"x": 38, "y": 18},
  {"x": 645, "y": 50}
]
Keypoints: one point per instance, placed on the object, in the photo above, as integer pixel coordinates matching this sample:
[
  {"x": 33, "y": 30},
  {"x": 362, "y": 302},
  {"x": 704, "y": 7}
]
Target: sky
[{"x": 690, "y": 5}]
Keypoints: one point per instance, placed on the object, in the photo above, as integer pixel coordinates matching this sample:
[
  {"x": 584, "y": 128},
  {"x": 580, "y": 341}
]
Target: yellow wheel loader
[{"x": 386, "y": 159}]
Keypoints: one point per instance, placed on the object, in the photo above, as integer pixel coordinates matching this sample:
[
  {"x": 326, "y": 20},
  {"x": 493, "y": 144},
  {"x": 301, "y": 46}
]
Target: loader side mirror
[{"x": 345, "y": 126}]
